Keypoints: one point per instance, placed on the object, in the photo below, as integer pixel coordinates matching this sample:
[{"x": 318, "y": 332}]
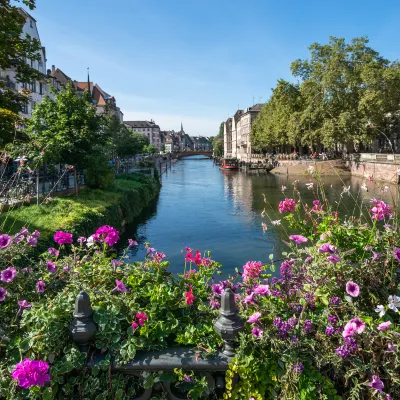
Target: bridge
[{"x": 181, "y": 154}]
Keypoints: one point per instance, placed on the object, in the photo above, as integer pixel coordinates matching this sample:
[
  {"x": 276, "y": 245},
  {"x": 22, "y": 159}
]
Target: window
[
  {"x": 31, "y": 63},
  {"x": 33, "y": 104},
  {"x": 24, "y": 85},
  {"x": 24, "y": 109},
  {"x": 34, "y": 86},
  {"x": 40, "y": 88},
  {"x": 31, "y": 23}
]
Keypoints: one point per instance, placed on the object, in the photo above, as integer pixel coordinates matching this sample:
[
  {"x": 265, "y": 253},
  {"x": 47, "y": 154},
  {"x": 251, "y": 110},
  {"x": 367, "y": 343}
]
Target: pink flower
[
  {"x": 316, "y": 207},
  {"x": 81, "y": 239},
  {"x": 287, "y": 205},
  {"x": 51, "y": 267},
  {"x": 384, "y": 326},
  {"x": 352, "y": 289},
  {"x": 252, "y": 270},
  {"x": 396, "y": 253},
  {"x": 8, "y": 274},
  {"x": 262, "y": 290},
  {"x": 249, "y": 299},
  {"x": 217, "y": 289},
  {"x": 3, "y": 294},
  {"x": 353, "y": 327},
  {"x": 40, "y": 285},
  {"x": 31, "y": 241},
  {"x": 31, "y": 373},
  {"x": 132, "y": 243},
  {"x": 189, "y": 296},
  {"x": 5, "y": 240},
  {"x": 380, "y": 210},
  {"x": 63, "y": 237},
  {"x": 360, "y": 324},
  {"x": 333, "y": 259},
  {"x": 253, "y": 319},
  {"x": 298, "y": 239},
  {"x": 257, "y": 332},
  {"x": 53, "y": 251},
  {"x": 141, "y": 317},
  {"x": 327, "y": 248},
  {"x": 120, "y": 287},
  {"x": 107, "y": 234},
  {"x": 134, "y": 325},
  {"x": 23, "y": 304},
  {"x": 376, "y": 383}
]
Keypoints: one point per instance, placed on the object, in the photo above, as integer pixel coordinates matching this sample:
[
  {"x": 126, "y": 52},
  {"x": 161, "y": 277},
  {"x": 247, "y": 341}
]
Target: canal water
[{"x": 205, "y": 208}]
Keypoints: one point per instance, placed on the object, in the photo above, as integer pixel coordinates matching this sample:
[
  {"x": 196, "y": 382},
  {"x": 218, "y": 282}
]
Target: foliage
[
  {"x": 150, "y": 149},
  {"x": 347, "y": 94},
  {"x": 14, "y": 50},
  {"x": 65, "y": 130},
  {"x": 98, "y": 174},
  {"x": 218, "y": 142}
]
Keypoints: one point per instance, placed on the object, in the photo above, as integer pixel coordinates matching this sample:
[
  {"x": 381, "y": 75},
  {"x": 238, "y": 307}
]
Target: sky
[{"x": 198, "y": 61}]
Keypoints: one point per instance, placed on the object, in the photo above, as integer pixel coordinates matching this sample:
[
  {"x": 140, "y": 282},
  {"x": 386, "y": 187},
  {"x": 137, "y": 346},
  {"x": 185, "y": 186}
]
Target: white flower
[
  {"x": 283, "y": 188},
  {"x": 311, "y": 169},
  {"x": 381, "y": 310},
  {"x": 394, "y": 302},
  {"x": 309, "y": 185},
  {"x": 264, "y": 226},
  {"x": 275, "y": 223},
  {"x": 263, "y": 213},
  {"x": 90, "y": 241},
  {"x": 345, "y": 190},
  {"x": 364, "y": 187},
  {"x": 386, "y": 189}
]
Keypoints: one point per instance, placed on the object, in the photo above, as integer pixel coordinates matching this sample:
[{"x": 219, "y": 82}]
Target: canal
[{"x": 205, "y": 208}]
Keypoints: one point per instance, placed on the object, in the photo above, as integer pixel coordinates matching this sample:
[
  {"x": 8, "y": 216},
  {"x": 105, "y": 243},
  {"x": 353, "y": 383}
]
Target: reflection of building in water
[{"x": 239, "y": 188}]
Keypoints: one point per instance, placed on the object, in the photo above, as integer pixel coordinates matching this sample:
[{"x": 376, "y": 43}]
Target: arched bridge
[{"x": 181, "y": 154}]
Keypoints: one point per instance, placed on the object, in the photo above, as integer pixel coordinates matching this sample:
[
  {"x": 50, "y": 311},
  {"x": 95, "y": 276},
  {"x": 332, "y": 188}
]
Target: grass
[{"x": 83, "y": 214}]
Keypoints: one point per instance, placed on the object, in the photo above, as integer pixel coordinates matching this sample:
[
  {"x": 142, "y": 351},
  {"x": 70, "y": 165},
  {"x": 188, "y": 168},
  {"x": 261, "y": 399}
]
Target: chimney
[{"x": 53, "y": 70}]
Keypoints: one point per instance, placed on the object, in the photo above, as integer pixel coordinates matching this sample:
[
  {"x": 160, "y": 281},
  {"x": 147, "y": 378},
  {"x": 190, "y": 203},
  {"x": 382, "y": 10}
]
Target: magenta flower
[
  {"x": 379, "y": 210},
  {"x": 353, "y": 327},
  {"x": 189, "y": 296},
  {"x": 396, "y": 253},
  {"x": 262, "y": 290},
  {"x": 5, "y": 240},
  {"x": 132, "y": 243},
  {"x": 31, "y": 373},
  {"x": 316, "y": 206},
  {"x": 360, "y": 325},
  {"x": 120, "y": 287},
  {"x": 8, "y": 275},
  {"x": 23, "y": 304},
  {"x": 376, "y": 383},
  {"x": 352, "y": 289},
  {"x": 53, "y": 251},
  {"x": 23, "y": 231},
  {"x": 257, "y": 332},
  {"x": 51, "y": 267},
  {"x": 134, "y": 325},
  {"x": 327, "y": 248},
  {"x": 217, "y": 289},
  {"x": 142, "y": 318},
  {"x": 107, "y": 234},
  {"x": 253, "y": 319},
  {"x": 298, "y": 239},
  {"x": 287, "y": 205},
  {"x": 40, "y": 285},
  {"x": 150, "y": 250},
  {"x": 31, "y": 241},
  {"x": 251, "y": 270},
  {"x": 214, "y": 304},
  {"x": 63, "y": 237},
  {"x": 3, "y": 294},
  {"x": 384, "y": 326},
  {"x": 249, "y": 299},
  {"x": 333, "y": 259},
  {"x": 81, "y": 239}
]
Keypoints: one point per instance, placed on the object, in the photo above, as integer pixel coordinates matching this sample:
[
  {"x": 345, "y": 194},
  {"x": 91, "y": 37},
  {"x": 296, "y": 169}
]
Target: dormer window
[{"x": 31, "y": 23}]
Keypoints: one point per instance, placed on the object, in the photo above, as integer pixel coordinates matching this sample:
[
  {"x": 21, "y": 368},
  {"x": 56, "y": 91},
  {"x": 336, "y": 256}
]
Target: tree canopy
[
  {"x": 218, "y": 142},
  {"x": 345, "y": 93}
]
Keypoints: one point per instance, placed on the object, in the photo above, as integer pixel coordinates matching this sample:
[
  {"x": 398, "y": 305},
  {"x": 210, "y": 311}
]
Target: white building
[
  {"x": 38, "y": 88},
  {"x": 147, "y": 128}
]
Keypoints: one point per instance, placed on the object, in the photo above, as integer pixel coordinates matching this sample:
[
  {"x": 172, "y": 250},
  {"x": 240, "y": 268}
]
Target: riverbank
[{"x": 81, "y": 215}]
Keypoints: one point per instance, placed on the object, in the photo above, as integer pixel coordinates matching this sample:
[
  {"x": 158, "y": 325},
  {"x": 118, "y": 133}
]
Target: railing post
[
  {"x": 229, "y": 323},
  {"x": 82, "y": 327}
]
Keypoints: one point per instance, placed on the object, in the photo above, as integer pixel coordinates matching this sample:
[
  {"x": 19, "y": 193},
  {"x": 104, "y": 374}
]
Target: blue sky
[{"x": 196, "y": 61}]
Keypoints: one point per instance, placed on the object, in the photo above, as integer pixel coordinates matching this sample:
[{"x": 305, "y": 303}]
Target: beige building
[{"x": 237, "y": 130}]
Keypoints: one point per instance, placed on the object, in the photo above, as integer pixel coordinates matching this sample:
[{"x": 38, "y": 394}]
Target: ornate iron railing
[{"x": 227, "y": 326}]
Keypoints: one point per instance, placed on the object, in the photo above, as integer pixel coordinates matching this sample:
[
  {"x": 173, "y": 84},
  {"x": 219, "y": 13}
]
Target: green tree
[
  {"x": 15, "y": 48},
  {"x": 150, "y": 149},
  {"x": 218, "y": 142},
  {"x": 65, "y": 130}
]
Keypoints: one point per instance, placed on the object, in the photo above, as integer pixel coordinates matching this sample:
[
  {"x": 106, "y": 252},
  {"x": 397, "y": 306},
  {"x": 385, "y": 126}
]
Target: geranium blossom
[
  {"x": 142, "y": 318},
  {"x": 107, "y": 234},
  {"x": 5, "y": 240},
  {"x": 316, "y": 206},
  {"x": 8, "y": 274},
  {"x": 384, "y": 326},
  {"x": 287, "y": 205},
  {"x": 394, "y": 302},
  {"x": 134, "y": 325},
  {"x": 30, "y": 373},
  {"x": 379, "y": 210},
  {"x": 376, "y": 383},
  {"x": 352, "y": 289},
  {"x": 3, "y": 294},
  {"x": 189, "y": 296},
  {"x": 298, "y": 239},
  {"x": 63, "y": 237},
  {"x": 252, "y": 270},
  {"x": 253, "y": 319}
]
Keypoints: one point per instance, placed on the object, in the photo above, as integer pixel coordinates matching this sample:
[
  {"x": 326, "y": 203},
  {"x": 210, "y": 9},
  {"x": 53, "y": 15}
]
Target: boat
[{"x": 229, "y": 164}]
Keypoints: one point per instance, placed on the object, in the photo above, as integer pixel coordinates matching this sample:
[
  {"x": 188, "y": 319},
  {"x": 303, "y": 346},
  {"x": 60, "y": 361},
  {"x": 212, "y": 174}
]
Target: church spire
[
  {"x": 88, "y": 83},
  {"x": 181, "y": 127}
]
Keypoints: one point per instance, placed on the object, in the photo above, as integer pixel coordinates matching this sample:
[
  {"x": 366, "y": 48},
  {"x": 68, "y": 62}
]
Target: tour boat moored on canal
[{"x": 229, "y": 164}]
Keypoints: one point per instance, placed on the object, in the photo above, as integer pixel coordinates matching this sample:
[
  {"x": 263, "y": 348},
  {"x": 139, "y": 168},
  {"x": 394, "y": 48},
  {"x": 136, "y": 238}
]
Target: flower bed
[{"x": 326, "y": 329}]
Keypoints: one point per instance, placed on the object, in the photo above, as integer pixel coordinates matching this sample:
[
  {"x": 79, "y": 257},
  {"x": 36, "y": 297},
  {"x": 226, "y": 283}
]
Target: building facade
[
  {"x": 148, "y": 128},
  {"x": 237, "y": 143}
]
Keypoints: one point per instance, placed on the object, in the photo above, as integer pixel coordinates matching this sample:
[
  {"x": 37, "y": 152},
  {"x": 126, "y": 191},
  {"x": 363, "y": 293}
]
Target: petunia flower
[
  {"x": 257, "y": 332},
  {"x": 394, "y": 303},
  {"x": 5, "y": 240},
  {"x": 253, "y": 319},
  {"x": 262, "y": 290},
  {"x": 53, "y": 251},
  {"x": 333, "y": 259},
  {"x": 8, "y": 274},
  {"x": 327, "y": 248},
  {"x": 298, "y": 239},
  {"x": 396, "y": 253},
  {"x": 120, "y": 287},
  {"x": 376, "y": 383},
  {"x": 381, "y": 310},
  {"x": 51, "y": 267},
  {"x": 132, "y": 243},
  {"x": 3, "y": 294},
  {"x": 384, "y": 326},
  {"x": 352, "y": 289},
  {"x": 40, "y": 285},
  {"x": 23, "y": 304}
]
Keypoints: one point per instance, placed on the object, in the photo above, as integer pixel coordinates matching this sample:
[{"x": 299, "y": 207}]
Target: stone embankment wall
[{"x": 378, "y": 171}]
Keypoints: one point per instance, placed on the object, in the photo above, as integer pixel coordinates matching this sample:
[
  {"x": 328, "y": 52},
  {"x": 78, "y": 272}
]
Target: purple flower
[
  {"x": 352, "y": 289},
  {"x": 257, "y": 332},
  {"x": 308, "y": 326},
  {"x": 217, "y": 289},
  {"x": 384, "y": 326},
  {"x": 150, "y": 250},
  {"x": 51, "y": 267},
  {"x": 380, "y": 210},
  {"x": 40, "y": 285},
  {"x": 36, "y": 234},
  {"x": 297, "y": 368},
  {"x": 262, "y": 290},
  {"x": 298, "y": 239},
  {"x": 214, "y": 305},
  {"x": 253, "y": 319},
  {"x": 333, "y": 319},
  {"x": 327, "y": 248},
  {"x": 23, "y": 231},
  {"x": 329, "y": 330},
  {"x": 348, "y": 348},
  {"x": 391, "y": 347},
  {"x": 187, "y": 378},
  {"x": 249, "y": 299},
  {"x": 353, "y": 327},
  {"x": 31, "y": 241},
  {"x": 335, "y": 301},
  {"x": 5, "y": 240},
  {"x": 23, "y": 304},
  {"x": 360, "y": 324},
  {"x": 66, "y": 268},
  {"x": 116, "y": 263},
  {"x": 63, "y": 237},
  {"x": 31, "y": 373},
  {"x": 8, "y": 275},
  {"x": 396, "y": 253},
  {"x": 81, "y": 239},
  {"x": 375, "y": 255},
  {"x": 53, "y": 251},
  {"x": 120, "y": 287},
  {"x": 132, "y": 243},
  {"x": 3, "y": 293},
  {"x": 334, "y": 259},
  {"x": 376, "y": 383}
]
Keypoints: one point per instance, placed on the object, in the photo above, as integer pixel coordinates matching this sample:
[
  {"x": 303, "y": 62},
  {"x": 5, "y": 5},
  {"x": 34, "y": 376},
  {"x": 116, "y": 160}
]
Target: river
[{"x": 205, "y": 208}]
